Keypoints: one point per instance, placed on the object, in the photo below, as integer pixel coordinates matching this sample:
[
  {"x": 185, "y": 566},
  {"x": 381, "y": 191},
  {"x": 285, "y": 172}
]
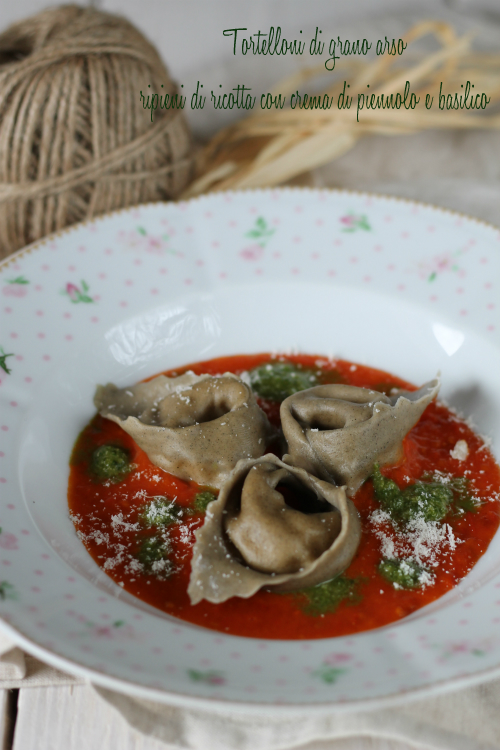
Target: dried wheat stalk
[{"x": 269, "y": 148}]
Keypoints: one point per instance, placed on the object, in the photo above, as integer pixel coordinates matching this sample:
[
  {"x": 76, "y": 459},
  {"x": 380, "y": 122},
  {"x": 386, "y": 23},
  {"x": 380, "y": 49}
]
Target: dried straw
[
  {"x": 271, "y": 147},
  {"x": 75, "y": 140}
]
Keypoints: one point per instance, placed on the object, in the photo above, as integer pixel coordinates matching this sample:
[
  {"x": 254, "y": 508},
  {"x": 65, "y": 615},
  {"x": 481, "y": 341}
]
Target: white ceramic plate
[{"x": 400, "y": 286}]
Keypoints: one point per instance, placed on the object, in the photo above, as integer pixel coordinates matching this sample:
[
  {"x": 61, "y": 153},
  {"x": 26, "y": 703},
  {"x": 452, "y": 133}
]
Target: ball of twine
[{"x": 75, "y": 139}]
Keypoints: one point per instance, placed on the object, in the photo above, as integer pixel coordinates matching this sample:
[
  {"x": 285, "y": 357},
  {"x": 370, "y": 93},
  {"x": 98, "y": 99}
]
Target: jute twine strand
[{"x": 75, "y": 140}]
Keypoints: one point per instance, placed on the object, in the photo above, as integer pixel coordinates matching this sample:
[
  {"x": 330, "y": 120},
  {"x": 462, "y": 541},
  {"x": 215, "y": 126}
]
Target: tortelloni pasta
[
  {"x": 280, "y": 553},
  {"x": 273, "y": 526},
  {"x": 195, "y": 427},
  {"x": 338, "y": 432}
]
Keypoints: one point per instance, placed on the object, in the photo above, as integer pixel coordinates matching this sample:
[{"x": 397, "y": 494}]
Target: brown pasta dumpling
[
  {"x": 273, "y": 526},
  {"x": 196, "y": 427},
  {"x": 338, "y": 432}
]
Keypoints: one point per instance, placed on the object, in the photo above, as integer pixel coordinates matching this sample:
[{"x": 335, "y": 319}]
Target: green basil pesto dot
[
  {"x": 202, "y": 501},
  {"x": 278, "y": 380},
  {"x": 160, "y": 511},
  {"x": 153, "y": 554},
  {"x": 428, "y": 500},
  {"x": 326, "y": 597},
  {"x": 110, "y": 462},
  {"x": 404, "y": 574},
  {"x": 463, "y": 499},
  {"x": 387, "y": 492}
]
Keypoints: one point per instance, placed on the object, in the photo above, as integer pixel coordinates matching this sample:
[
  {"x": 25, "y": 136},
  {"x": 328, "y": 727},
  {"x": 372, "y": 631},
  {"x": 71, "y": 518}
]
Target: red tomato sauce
[{"x": 106, "y": 518}]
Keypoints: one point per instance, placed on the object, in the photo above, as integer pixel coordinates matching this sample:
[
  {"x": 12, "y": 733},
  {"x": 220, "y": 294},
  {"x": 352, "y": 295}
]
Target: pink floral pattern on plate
[
  {"x": 8, "y": 591},
  {"x": 16, "y": 287},
  {"x": 455, "y": 648},
  {"x": 444, "y": 263},
  {"x": 261, "y": 233},
  {"x": 3, "y": 361},
  {"x": 208, "y": 677},
  {"x": 78, "y": 293},
  {"x": 116, "y": 631},
  {"x": 333, "y": 667},
  {"x": 142, "y": 240},
  {"x": 8, "y": 540},
  {"x": 352, "y": 222}
]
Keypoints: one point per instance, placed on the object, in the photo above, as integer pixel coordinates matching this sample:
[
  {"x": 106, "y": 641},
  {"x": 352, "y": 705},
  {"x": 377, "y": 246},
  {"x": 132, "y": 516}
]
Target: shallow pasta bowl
[{"x": 393, "y": 284}]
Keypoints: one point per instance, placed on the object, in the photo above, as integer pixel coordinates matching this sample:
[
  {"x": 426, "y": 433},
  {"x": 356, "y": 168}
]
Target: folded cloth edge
[{"x": 226, "y": 729}]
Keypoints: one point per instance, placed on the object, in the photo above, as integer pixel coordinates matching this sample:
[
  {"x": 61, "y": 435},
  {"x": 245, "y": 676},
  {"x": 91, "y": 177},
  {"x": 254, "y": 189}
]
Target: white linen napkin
[
  {"x": 464, "y": 720},
  {"x": 468, "y": 719},
  {"x": 18, "y": 669}
]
